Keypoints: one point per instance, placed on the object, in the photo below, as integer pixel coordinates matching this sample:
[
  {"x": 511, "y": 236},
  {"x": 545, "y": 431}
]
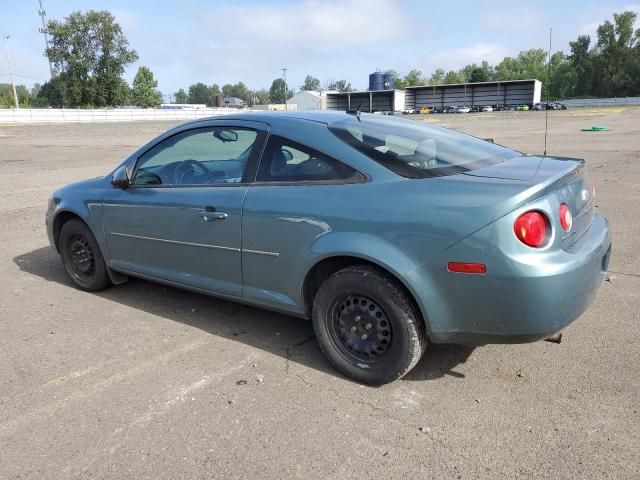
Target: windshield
[{"x": 414, "y": 149}]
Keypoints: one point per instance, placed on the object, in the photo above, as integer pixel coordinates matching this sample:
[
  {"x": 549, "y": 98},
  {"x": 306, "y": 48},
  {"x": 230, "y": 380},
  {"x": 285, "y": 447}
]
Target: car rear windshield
[{"x": 414, "y": 149}]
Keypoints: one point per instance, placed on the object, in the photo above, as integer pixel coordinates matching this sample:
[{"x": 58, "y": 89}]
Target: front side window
[
  {"x": 416, "y": 150},
  {"x": 287, "y": 161},
  {"x": 203, "y": 156}
]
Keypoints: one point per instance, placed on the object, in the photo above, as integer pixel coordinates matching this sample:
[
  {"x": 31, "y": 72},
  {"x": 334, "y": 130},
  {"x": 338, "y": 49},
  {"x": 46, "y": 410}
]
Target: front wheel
[
  {"x": 82, "y": 258},
  {"x": 367, "y": 325}
]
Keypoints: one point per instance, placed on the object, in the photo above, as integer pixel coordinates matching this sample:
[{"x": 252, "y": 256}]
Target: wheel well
[
  {"x": 327, "y": 267},
  {"x": 59, "y": 221}
]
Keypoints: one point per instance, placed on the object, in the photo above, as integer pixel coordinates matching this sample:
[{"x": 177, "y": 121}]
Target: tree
[
  {"x": 479, "y": 73},
  {"x": 278, "y": 93},
  {"x": 90, "y": 53},
  {"x": 52, "y": 93},
  {"x": 616, "y": 56},
  {"x": 181, "y": 96},
  {"x": 454, "y": 77},
  {"x": 201, "y": 93},
  {"x": 144, "y": 92},
  {"x": 437, "y": 77},
  {"x": 238, "y": 90},
  {"x": 582, "y": 65},
  {"x": 260, "y": 97},
  {"x": 310, "y": 83},
  {"x": 414, "y": 78},
  {"x": 340, "y": 86}
]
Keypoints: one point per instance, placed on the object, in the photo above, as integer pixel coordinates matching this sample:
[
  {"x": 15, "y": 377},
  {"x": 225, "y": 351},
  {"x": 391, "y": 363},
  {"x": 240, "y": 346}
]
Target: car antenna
[
  {"x": 546, "y": 105},
  {"x": 355, "y": 112}
]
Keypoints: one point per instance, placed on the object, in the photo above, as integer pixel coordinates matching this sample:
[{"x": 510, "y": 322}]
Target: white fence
[
  {"x": 59, "y": 115},
  {"x": 601, "y": 102}
]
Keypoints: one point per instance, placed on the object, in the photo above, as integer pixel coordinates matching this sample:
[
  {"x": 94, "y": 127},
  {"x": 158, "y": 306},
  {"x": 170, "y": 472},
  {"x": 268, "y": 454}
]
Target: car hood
[{"x": 82, "y": 185}]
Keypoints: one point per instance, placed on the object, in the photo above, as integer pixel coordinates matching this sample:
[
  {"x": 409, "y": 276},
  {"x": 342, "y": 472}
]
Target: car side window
[
  {"x": 287, "y": 161},
  {"x": 202, "y": 156}
]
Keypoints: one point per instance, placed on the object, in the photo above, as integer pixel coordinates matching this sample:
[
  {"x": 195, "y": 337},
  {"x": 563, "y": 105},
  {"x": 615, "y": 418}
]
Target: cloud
[
  {"x": 505, "y": 17},
  {"x": 350, "y": 22},
  {"x": 252, "y": 41},
  {"x": 459, "y": 57}
]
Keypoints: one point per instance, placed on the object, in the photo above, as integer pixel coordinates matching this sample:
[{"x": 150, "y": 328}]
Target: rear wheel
[
  {"x": 367, "y": 326},
  {"x": 82, "y": 258}
]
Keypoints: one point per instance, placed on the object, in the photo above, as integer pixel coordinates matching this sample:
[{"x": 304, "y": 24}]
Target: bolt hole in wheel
[{"x": 359, "y": 328}]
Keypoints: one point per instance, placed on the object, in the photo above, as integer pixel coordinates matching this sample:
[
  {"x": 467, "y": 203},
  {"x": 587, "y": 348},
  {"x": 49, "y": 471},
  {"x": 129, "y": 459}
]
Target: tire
[
  {"x": 81, "y": 257},
  {"x": 362, "y": 301}
]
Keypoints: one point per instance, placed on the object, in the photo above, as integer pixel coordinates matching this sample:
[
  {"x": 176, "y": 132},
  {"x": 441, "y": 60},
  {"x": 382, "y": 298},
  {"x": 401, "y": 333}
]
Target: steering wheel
[{"x": 190, "y": 171}]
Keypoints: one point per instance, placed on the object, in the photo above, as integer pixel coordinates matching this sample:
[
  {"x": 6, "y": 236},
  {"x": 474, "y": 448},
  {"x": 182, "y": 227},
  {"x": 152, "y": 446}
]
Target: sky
[{"x": 189, "y": 41}]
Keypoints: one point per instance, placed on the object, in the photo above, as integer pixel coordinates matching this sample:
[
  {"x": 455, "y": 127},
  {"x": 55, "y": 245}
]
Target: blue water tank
[
  {"x": 389, "y": 81},
  {"x": 376, "y": 81}
]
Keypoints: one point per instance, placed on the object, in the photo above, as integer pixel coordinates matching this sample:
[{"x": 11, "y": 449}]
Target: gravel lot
[{"x": 146, "y": 381}]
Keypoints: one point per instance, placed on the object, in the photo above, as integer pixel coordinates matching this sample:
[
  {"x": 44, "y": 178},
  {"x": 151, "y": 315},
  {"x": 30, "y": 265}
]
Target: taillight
[
  {"x": 566, "y": 219},
  {"x": 531, "y": 228}
]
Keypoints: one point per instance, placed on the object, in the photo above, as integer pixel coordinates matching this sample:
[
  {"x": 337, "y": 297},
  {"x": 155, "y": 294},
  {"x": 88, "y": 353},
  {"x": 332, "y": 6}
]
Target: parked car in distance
[
  {"x": 452, "y": 109},
  {"x": 463, "y": 110},
  {"x": 555, "y": 106},
  {"x": 486, "y": 108},
  {"x": 387, "y": 233},
  {"x": 538, "y": 106},
  {"x": 425, "y": 110}
]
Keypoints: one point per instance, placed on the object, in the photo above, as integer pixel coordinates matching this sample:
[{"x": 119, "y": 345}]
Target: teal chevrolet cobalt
[{"x": 387, "y": 233}]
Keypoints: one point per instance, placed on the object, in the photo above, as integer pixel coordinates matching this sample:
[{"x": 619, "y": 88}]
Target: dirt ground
[{"x": 146, "y": 381}]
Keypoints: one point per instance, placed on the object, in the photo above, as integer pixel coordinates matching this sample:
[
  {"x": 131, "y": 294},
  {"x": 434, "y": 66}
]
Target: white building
[
  {"x": 233, "y": 102},
  {"x": 310, "y": 100}
]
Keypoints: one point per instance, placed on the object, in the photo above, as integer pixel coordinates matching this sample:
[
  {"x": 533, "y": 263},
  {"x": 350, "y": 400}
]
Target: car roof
[{"x": 321, "y": 116}]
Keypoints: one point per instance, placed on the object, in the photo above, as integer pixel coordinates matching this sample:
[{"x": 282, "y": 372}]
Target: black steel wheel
[
  {"x": 360, "y": 328},
  {"x": 367, "y": 325},
  {"x": 83, "y": 260},
  {"x": 81, "y": 256}
]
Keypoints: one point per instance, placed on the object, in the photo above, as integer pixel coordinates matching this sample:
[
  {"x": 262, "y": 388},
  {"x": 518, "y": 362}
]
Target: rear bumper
[{"x": 528, "y": 301}]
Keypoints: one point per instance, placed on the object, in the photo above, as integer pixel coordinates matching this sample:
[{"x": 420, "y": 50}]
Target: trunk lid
[
  {"x": 522, "y": 168},
  {"x": 563, "y": 180}
]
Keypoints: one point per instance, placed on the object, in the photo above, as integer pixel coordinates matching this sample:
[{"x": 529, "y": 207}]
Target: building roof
[
  {"x": 493, "y": 82},
  {"x": 363, "y": 92}
]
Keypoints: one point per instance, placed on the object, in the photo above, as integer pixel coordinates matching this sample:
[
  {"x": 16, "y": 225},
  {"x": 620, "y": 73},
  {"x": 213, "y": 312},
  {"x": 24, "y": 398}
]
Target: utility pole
[
  {"x": 13, "y": 83},
  {"x": 43, "y": 30},
  {"x": 286, "y": 91}
]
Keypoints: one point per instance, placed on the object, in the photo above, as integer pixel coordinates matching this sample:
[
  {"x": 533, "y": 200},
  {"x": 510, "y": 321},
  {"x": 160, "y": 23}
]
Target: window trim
[
  {"x": 251, "y": 167},
  {"x": 357, "y": 178}
]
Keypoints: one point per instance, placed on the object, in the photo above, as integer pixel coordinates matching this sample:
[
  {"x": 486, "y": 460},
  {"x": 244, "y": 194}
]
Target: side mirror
[{"x": 120, "y": 178}]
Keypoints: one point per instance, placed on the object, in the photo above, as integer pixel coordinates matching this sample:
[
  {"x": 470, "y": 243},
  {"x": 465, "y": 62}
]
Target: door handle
[{"x": 210, "y": 214}]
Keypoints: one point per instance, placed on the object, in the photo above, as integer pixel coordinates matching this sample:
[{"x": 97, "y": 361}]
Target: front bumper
[
  {"x": 526, "y": 301},
  {"x": 48, "y": 220}
]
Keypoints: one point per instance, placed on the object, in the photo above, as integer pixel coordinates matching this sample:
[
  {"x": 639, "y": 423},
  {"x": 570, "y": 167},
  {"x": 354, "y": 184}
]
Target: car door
[
  {"x": 297, "y": 197},
  {"x": 180, "y": 218}
]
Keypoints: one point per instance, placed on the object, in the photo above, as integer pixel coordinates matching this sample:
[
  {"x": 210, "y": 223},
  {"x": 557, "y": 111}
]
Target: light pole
[
  {"x": 13, "y": 83},
  {"x": 43, "y": 30}
]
